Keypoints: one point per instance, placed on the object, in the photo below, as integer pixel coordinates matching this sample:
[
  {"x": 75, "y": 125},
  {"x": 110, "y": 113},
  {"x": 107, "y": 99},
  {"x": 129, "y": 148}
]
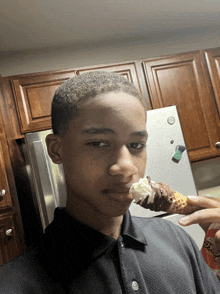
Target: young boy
[{"x": 93, "y": 244}]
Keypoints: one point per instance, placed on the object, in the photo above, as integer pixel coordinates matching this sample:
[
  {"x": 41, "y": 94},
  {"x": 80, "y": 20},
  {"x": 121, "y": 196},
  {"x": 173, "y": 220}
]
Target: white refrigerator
[{"x": 167, "y": 162}]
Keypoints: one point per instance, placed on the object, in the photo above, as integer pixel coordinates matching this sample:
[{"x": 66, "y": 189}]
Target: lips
[
  {"x": 122, "y": 189},
  {"x": 119, "y": 191}
]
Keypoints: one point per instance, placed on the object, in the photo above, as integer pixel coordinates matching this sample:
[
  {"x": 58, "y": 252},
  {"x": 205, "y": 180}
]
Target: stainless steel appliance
[{"x": 167, "y": 162}]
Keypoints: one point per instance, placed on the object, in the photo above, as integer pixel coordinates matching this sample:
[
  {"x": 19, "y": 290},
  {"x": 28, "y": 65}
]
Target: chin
[{"x": 121, "y": 209}]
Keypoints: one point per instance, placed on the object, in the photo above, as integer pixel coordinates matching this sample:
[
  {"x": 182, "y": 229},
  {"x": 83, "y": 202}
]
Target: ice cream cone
[
  {"x": 160, "y": 197},
  {"x": 180, "y": 205}
]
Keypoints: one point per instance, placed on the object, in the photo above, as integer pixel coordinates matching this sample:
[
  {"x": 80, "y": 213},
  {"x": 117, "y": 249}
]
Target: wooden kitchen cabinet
[
  {"x": 33, "y": 95},
  {"x": 11, "y": 233},
  {"x": 212, "y": 57},
  {"x": 181, "y": 80},
  {"x": 190, "y": 80},
  {"x": 5, "y": 196},
  {"x": 127, "y": 70},
  {"x": 10, "y": 245},
  {"x": 130, "y": 70},
  {"x": 9, "y": 241}
]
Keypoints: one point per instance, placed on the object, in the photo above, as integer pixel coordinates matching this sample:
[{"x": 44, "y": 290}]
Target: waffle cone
[{"x": 180, "y": 205}]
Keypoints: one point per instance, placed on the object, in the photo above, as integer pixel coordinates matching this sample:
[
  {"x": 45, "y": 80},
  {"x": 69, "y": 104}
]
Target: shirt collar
[
  {"x": 67, "y": 232},
  {"x": 130, "y": 229}
]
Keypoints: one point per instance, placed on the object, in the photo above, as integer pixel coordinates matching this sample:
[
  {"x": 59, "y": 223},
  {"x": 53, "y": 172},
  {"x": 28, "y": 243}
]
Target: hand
[{"x": 209, "y": 213}]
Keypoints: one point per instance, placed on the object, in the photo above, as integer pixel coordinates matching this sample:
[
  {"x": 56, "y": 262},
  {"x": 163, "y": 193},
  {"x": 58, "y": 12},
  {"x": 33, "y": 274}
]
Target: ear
[{"x": 54, "y": 148}]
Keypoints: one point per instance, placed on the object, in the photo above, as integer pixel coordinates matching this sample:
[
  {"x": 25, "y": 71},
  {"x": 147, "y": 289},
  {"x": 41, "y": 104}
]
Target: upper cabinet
[
  {"x": 190, "y": 80},
  {"x": 182, "y": 80},
  {"x": 33, "y": 96},
  {"x": 127, "y": 70},
  {"x": 212, "y": 57},
  {"x": 33, "y": 93},
  {"x": 131, "y": 71}
]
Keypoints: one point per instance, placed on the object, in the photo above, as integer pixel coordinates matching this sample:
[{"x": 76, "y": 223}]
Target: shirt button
[
  {"x": 122, "y": 245},
  {"x": 134, "y": 286}
]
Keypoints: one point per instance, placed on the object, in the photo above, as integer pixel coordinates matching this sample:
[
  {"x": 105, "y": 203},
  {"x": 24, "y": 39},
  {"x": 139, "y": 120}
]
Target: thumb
[{"x": 204, "y": 216}]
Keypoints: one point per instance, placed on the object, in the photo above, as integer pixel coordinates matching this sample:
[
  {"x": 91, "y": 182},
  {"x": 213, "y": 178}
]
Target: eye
[
  {"x": 97, "y": 144},
  {"x": 137, "y": 145}
]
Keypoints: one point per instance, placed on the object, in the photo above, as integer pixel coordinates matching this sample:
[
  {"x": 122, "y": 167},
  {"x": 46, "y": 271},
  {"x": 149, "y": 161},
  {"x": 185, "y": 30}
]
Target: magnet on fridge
[{"x": 178, "y": 153}]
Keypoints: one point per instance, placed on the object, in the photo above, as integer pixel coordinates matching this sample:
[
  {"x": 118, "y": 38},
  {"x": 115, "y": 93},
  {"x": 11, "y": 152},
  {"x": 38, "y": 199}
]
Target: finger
[
  {"x": 203, "y": 216},
  {"x": 216, "y": 245},
  {"x": 204, "y": 201}
]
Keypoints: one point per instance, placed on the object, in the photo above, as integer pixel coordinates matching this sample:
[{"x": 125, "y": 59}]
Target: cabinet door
[
  {"x": 181, "y": 80},
  {"x": 9, "y": 242},
  {"x": 130, "y": 71},
  {"x": 33, "y": 95},
  {"x": 213, "y": 62},
  {"x": 5, "y": 197}
]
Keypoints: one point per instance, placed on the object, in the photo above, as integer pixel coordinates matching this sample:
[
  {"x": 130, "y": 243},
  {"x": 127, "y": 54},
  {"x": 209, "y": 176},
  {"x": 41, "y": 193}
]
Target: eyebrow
[
  {"x": 140, "y": 133},
  {"x": 100, "y": 130}
]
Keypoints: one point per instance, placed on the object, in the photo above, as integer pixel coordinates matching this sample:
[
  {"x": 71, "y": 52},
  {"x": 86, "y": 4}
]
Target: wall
[
  {"x": 108, "y": 51},
  {"x": 207, "y": 177}
]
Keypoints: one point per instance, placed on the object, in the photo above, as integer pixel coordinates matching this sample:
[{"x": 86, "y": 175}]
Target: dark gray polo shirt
[{"x": 150, "y": 256}]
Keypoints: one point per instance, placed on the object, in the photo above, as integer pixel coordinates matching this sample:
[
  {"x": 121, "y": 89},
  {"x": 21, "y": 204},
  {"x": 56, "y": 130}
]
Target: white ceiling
[{"x": 30, "y": 24}]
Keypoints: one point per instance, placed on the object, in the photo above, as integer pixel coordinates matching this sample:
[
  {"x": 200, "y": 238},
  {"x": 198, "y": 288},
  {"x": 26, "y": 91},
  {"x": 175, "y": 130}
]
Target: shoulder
[
  {"x": 159, "y": 229},
  {"x": 25, "y": 261},
  {"x": 163, "y": 235},
  {"x": 165, "y": 238},
  {"x": 155, "y": 223},
  {"x": 25, "y": 274}
]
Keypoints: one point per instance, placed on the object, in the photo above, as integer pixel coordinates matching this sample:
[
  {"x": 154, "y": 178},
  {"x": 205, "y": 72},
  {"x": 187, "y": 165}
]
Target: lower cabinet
[{"x": 9, "y": 241}]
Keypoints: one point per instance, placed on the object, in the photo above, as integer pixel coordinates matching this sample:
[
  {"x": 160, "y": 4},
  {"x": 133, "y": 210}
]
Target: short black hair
[{"x": 70, "y": 96}]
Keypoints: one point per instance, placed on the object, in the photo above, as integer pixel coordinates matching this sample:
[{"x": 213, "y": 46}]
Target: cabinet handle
[
  {"x": 217, "y": 144},
  {"x": 9, "y": 232},
  {"x": 2, "y": 192}
]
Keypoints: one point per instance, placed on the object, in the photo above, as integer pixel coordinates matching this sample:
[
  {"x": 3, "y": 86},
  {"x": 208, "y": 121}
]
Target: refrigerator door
[
  {"x": 165, "y": 135},
  {"x": 46, "y": 178}
]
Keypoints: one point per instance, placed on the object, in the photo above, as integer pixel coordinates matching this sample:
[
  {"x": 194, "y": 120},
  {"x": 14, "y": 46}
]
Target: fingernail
[{"x": 193, "y": 198}]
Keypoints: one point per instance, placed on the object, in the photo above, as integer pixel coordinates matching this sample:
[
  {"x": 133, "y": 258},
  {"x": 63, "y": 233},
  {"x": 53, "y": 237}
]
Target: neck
[{"x": 105, "y": 224}]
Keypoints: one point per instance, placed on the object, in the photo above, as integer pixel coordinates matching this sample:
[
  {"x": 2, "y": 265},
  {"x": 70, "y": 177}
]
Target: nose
[{"x": 123, "y": 165}]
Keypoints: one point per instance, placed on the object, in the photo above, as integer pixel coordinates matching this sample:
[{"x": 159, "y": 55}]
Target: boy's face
[{"x": 104, "y": 152}]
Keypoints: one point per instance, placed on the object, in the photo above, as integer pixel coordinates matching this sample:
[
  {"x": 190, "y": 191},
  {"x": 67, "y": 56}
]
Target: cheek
[
  {"x": 85, "y": 167},
  {"x": 94, "y": 166}
]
